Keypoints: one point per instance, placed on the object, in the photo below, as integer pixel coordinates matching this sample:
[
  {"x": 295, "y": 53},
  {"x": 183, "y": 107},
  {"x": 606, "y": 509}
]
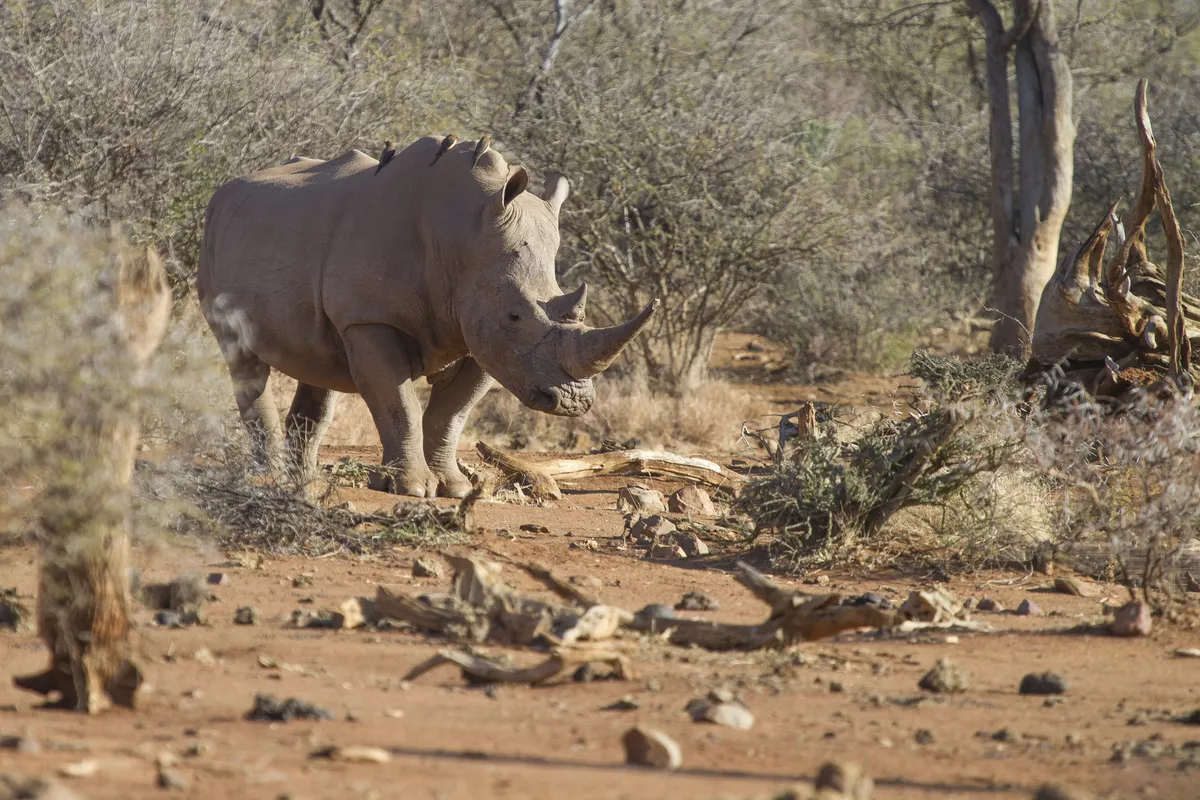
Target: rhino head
[{"x": 518, "y": 324}]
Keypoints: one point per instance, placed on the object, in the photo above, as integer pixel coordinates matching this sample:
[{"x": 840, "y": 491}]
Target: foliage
[{"x": 957, "y": 378}]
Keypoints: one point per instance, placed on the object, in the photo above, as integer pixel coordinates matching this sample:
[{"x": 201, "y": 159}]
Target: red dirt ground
[{"x": 451, "y": 741}]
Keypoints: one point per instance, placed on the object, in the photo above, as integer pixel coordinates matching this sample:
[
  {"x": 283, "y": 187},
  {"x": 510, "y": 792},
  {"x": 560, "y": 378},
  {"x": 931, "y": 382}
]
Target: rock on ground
[
  {"x": 1044, "y": 683},
  {"x": 1028, "y": 608},
  {"x": 647, "y": 747},
  {"x": 691, "y": 499},
  {"x": 646, "y": 530},
  {"x": 697, "y": 601},
  {"x": 945, "y": 678},
  {"x": 845, "y": 777},
  {"x": 425, "y": 567},
  {"x": 721, "y": 708},
  {"x": 988, "y": 604},
  {"x": 640, "y": 499},
  {"x": 1132, "y": 619},
  {"x": 1062, "y": 791},
  {"x": 246, "y": 615},
  {"x": 268, "y": 707},
  {"x": 16, "y": 787}
]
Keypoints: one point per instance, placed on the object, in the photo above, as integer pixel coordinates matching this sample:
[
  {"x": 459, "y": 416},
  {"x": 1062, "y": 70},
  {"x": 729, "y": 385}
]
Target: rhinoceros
[{"x": 356, "y": 282}]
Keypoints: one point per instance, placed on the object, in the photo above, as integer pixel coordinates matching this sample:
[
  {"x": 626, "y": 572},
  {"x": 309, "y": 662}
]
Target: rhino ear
[
  {"x": 518, "y": 179},
  {"x": 556, "y": 190}
]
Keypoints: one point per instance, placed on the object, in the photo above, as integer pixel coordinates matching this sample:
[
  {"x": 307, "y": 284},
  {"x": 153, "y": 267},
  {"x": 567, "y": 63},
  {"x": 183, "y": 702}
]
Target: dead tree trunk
[
  {"x": 83, "y": 587},
  {"x": 1126, "y": 322},
  {"x": 1025, "y": 230}
]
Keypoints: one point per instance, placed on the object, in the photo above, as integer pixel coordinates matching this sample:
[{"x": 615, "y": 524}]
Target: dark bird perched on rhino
[
  {"x": 355, "y": 285},
  {"x": 389, "y": 152}
]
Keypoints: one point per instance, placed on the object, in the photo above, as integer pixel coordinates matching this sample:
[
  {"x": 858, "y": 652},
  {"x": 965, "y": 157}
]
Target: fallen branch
[
  {"x": 542, "y": 476},
  {"x": 562, "y": 659}
]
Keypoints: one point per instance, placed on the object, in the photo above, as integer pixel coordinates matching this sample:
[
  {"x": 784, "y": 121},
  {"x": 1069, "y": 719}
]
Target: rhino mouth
[{"x": 570, "y": 399}]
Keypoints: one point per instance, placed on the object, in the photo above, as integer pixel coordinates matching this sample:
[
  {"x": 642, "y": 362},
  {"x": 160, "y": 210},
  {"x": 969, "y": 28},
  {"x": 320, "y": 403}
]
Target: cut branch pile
[
  {"x": 541, "y": 477},
  {"x": 479, "y": 609},
  {"x": 1116, "y": 325}
]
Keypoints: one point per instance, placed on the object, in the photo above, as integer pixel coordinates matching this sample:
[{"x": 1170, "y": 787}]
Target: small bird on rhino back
[
  {"x": 389, "y": 152},
  {"x": 447, "y": 144},
  {"x": 481, "y": 147}
]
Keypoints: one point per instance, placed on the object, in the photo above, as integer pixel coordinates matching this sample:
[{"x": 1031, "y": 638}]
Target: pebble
[
  {"x": 988, "y": 604},
  {"x": 691, "y": 544},
  {"x": 691, "y": 499},
  {"x": 1044, "y": 683},
  {"x": 844, "y": 777},
  {"x": 923, "y": 736},
  {"x": 945, "y": 678},
  {"x": 666, "y": 552},
  {"x": 246, "y": 615},
  {"x": 1062, "y": 791},
  {"x": 640, "y": 499},
  {"x": 647, "y": 530},
  {"x": 1028, "y": 608},
  {"x": 1132, "y": 619},
  {"x": 731, "y": 714},
  {"x": 626, "y": 703},
  {"x": 218, "y": 579},
  {"x": 268, "y": 707},
  {"x": 647, "y": 747},
  {"x": 424, "y": 567},
  {"x": 657, "y": 611}
]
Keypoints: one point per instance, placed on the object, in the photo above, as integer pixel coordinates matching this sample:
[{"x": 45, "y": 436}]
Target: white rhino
[{"x": 351, "y": 281}]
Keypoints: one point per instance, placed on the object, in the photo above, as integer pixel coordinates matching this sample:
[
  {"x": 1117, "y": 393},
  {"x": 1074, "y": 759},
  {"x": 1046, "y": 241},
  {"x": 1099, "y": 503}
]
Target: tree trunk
[
  {"x": 83, "y": 585},
  {"x": 1025, "y": 238}
]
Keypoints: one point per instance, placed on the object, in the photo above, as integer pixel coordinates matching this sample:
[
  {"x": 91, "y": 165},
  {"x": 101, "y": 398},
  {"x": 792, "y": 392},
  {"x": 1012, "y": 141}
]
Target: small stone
[
  {"x": 218, "y": 579},
  {"x": 80, "y": 769},
  {"x": 1044, "y": 683},
  {"x": 945, "y": 678},
  {"x": 205, "y": 656},
  {"x": 18, "y": 788},
  {"x": 731, "y": 714},
  {"x": 665, "y": 552},
  {"x": 836, "y": 687},
  {"x": 641, "y": 500},
  {"x": 819, "y": 580},
  {"x": 1006, "y": 735},
  {"x": 268, "y": 707},
  {"x": 657, "y": 611},
  {"x": 1028, "y": 608},
  {"x": 844, "y": 777},
  {"x": 1062, "y": 791},
  {"x": 988, "y": 604},
  {"x": 1132, "y": 619},
  {"x": 647, "y": 530},
  {"x": 168, "y": 619},
  {"x": 1069, "y": 584},
  {"x": 691, "y": 499},
  {"x": 923, "y": 736},
  {"x": 530, "y": 527},
  {"x": 246, "y": 615},
  {"x": 591, "y": 545},
  {"x": 697, "y": 601},
  {"x": 626, "y": 703},
  {"x": 425, "y": 567},
  {"x": 302, "y": 581},
  {"x": 654, "y": 685},
  {"x": 646, "y": 747},
  {"x": 872, "y": 599},
  {"x": 361, "y": 754},
  {"x": 691, "y": 544},
  {"x": 352, "y": 613},
  {"x": 170, "y": 778}
]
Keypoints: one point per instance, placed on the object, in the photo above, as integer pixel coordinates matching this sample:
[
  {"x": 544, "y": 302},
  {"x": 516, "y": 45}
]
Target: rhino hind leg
[
  {"x": 251, "y": 375},
  {"x": 383, "y": 376},
  {"x": 455, "y": 392},
  {"x": 307, "y": 421}
]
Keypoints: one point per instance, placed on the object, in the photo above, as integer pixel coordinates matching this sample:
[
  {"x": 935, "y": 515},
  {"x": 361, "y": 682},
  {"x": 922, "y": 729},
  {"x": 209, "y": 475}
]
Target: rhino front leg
[
  {"x": 250, "y": 378},
  {"x": 382, "y": 371},
  {"x": 456, "y": 390}
]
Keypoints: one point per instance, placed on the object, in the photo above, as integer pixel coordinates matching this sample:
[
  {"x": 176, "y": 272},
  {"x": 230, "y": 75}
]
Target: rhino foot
[
  {"x": 453, "y": 484},
  {"x": 414, "y": 483}
]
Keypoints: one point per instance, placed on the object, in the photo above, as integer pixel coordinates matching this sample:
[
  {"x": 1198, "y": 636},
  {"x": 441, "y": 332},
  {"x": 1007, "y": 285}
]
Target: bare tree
[{"x": 1025, "y": 228}]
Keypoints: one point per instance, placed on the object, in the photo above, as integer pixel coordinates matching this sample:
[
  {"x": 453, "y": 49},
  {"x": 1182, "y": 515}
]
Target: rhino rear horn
[
  {"x": 569, "y": 307},
  {"x": 556, "y": 190},
  {"x": 591, "y": 351}
]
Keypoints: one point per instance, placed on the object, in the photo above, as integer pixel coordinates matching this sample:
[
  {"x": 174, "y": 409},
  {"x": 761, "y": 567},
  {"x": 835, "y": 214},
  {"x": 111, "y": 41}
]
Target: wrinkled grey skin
[{"x": 354, "y": 282}]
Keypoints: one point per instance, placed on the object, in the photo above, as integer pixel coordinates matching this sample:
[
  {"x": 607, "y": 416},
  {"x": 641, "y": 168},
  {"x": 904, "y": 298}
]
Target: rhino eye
[{"x": 514, "y": 317}]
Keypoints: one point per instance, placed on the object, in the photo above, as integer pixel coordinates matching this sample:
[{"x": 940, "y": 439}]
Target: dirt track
[{"x": 552, "y": 742}]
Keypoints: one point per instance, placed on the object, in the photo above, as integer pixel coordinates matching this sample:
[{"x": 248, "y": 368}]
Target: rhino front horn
[{"x": 592, "y": 350}]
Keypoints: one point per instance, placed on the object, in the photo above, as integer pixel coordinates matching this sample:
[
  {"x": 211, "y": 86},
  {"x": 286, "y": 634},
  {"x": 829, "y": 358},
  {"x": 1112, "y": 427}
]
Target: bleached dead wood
[
  {"x": 1127, "y": 310},
  {"x": 542, "y": 475}
]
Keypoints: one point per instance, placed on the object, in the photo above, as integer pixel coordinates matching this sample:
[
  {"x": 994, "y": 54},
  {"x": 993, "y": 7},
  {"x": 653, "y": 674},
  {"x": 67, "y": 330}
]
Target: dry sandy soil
[{"x": 853, "y": 697}]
